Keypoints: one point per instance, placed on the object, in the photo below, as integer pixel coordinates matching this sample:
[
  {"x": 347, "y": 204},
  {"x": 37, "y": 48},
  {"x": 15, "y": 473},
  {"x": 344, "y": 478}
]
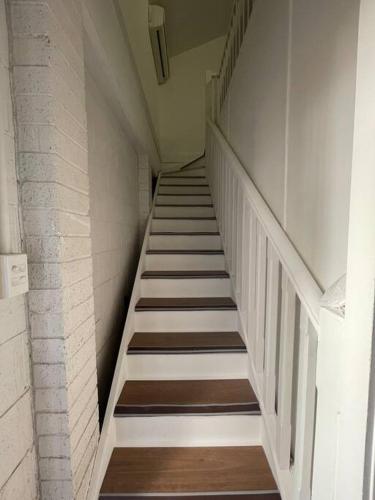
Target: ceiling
[{"x": 190, "y": 23}]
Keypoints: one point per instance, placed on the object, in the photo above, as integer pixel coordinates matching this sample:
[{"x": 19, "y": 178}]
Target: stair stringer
[{"x": 108, "y": 438}]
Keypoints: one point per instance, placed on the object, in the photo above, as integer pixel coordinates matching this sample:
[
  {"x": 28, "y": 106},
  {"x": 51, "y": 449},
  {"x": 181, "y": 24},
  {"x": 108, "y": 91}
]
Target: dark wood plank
[
  {"x": 188, "y": 470},
  {"x": 184, "y": 218},
  {"x": 187, "y": 397},
  {"x": 185, "y": 233},
  {"x": 185, "y": 304},
  {"x": 175, "y": 342},
  {"x": 208, "y": 205},
  {"x": 185, "y": 185},
  {"x": 233, "y": 496},
  {"x": 184, "y": 194},
  {"x": 185, "y": 275},
  {"x": 185, "y": 252},
  {"x": 185, "y": 176},
  {"x": 187, "y": 392}
]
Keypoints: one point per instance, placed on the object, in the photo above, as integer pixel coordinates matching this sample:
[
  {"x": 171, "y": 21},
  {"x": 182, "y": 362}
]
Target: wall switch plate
[{"x": 14, "y": 278}]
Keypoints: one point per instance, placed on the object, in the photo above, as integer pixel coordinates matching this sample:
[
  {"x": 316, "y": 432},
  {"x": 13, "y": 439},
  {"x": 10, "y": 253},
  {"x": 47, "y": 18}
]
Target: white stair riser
[
  {"x": 184, "y": 212},
  {"x": 187, "y": 366},
  {"x": 183, "y": 200},
  {"x": 191, "y": 287},
  {"x": 187, "y": 173},
  {"x": 198, "y": 190},
  {"x": 184, "y": 225},
  {"x": 226, "y": 430},
  {"x": 182, "y": 181},
  {"x": 180, "y": 242},
  {"x": 180, "y": 321},
  {"x": 185, "y": 263}
]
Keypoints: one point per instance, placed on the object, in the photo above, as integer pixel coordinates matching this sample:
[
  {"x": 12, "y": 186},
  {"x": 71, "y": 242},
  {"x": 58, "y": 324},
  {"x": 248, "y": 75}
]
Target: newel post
[{"x": 329, "y": 387}]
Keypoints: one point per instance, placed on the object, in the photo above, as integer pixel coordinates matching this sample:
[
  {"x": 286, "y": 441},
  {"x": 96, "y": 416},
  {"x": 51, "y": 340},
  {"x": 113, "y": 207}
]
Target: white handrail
[
  {"x": 301, "y": 278},
  {"x": 241, "y": 13},
  {"x": 278, "y": 305}
]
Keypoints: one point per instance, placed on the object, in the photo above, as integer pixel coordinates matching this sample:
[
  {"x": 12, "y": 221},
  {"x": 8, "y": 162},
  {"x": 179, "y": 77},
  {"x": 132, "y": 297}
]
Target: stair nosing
[
  {"x": 184, "y": 233},
  {"x": 184, "y": 194},
  {"x": 180, "y": 306},
  {"x": 210, "y": 495},
  {"x": 184, "y": 218},
  {"x": 184, "y": 185},
  {"x": 178, "y": 342},
  {"x": 183, "y": 177},
  {"x": 163, "y": 274},
  {"x": 177, "y": 352},
  {"x": 183, "y": 206},
  {"x": 180, "y": 410},
  {"x": 180, "y": 397},
  {"x": 185, "y": 252},
  {"x": 184, "y": 308}
]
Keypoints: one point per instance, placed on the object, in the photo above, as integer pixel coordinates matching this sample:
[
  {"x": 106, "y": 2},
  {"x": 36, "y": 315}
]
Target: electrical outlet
[{"x": 13, "y": 275}]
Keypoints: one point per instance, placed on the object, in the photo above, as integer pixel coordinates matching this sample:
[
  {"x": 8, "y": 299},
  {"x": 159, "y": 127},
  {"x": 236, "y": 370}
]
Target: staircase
[{"x": 187, "y": 420}]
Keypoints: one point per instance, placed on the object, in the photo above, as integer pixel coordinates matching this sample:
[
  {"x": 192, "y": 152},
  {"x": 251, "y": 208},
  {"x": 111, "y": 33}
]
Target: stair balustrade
[{"x": 279, "y": 306}]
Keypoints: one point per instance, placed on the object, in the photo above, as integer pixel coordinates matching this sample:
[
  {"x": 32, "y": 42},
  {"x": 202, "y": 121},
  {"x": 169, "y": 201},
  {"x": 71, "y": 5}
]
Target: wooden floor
[
  {"x": 184, "y": 252},
  {"x": 170, "y": 217},
  {"x": 184, "y": 185},
  {"x": 189, "y": 471},
  {"x": 173, "y": 205},
  {"x": 187, "y": 397},
  {"x": 184, "y": 274},
  {"x": 185, "y": 304},
  {"x": 185, "y": 233},
  {"x": 210, "y": 496},
  {"x": 174, "y": 342}
]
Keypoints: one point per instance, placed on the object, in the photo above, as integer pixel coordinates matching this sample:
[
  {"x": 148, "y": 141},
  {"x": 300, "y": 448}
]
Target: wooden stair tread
[
  {"x": 184, "y": 176},
  {"x": 185, "y": 304},
  {"x": 207, "y": 496},
  {"x": 184, "y": 194},
  {"x": 175, "y": 342},
  {"x": 183, "y": 218},
  {"x": 187, "y": 397},
  {"x": 185, "y": 274},
  {"x": 185, "y": 233},
  {"x": 208, "y": 205},
  {"x": 185, "y": 185},
  {"x": 188, "y": 470},
  {"x": 185, "y": 252}
]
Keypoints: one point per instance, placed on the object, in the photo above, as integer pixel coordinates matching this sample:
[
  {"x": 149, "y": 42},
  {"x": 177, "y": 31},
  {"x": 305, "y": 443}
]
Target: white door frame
[{"x": 359, "y": 321}]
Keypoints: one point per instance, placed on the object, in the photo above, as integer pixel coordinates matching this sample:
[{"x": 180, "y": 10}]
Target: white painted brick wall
[
  {"x": 115, "y": 218},
  {"x": 49, "y": 88},
  {"x": 18, "y": 474},
  {"x": 69, "y": 339}
]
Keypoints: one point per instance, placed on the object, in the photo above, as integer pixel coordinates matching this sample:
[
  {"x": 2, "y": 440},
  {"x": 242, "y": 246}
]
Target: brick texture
[
  {"x": 52, "y": 160},
  {"x": 18, "y": 472},
  {"x": 115, "y": 224}
]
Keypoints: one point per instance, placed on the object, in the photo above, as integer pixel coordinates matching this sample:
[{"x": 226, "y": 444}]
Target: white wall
[
  {"x": 135, "y": 15},
  {"x": 177, "y": 107},
  {"x": 109, "y": 56},
  {"x": 18, "y": 474},
  {"x": 114, "y": 210},
  {"x": 181, "y": 102},
  {"x": 289, "y": 116}
]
